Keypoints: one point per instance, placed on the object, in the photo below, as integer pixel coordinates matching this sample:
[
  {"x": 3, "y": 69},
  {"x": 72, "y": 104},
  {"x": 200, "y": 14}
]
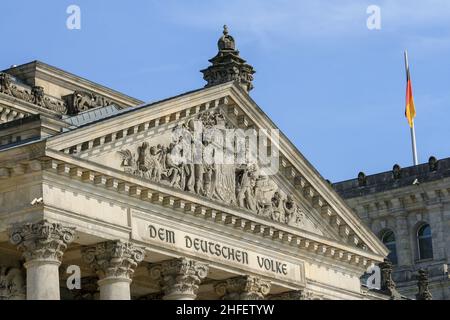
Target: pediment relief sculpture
[{"x": 243, "y": 185}]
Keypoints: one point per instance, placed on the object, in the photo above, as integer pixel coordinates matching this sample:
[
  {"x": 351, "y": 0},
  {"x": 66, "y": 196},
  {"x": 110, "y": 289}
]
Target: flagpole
[
  {"x": 414, "y": 147},
  {"x": 413, "y": 130}
]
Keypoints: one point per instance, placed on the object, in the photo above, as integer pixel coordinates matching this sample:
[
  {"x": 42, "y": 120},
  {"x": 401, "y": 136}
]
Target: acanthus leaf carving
[
  {"x": 42, "y": 240},
  {"x": 113, "y": 259}
]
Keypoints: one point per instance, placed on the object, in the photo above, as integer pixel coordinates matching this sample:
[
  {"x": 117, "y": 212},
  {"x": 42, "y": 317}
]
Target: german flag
[{"x": 410, "y": 111}]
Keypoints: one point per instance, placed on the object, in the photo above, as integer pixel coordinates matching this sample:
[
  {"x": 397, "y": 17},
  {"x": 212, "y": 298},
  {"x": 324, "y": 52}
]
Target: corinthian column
[
  {"x": 114, "y": 262},
  {"x": 179, "y": 278},
  {"x": 243, "y": 288},
  {"x": 42, "y": 245}
]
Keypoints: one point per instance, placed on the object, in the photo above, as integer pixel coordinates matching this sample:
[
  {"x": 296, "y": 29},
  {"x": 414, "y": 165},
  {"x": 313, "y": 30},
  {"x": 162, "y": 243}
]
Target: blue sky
[{"x": 335, "y": 88}]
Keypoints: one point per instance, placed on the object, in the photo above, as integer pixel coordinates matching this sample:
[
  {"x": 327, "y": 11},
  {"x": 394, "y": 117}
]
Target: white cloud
[{"x": 269, "y": 22}]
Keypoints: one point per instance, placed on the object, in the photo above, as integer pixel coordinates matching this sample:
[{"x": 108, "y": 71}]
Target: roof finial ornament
[{"x": 227, "y": 65}]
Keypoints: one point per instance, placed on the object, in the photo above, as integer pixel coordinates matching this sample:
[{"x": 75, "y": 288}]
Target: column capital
[
  {"x": 113, "y": 259},
  {"x": 42, "y": 241},
  {"x": 179, "y": 278},
  {"x": 243, "y": 288}
]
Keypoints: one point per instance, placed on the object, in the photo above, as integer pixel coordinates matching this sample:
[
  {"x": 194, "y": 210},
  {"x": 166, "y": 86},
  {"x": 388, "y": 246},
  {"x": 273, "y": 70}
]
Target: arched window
[
  {"x": 424, "y": 242},
  {"x": 388, "y": 238}
]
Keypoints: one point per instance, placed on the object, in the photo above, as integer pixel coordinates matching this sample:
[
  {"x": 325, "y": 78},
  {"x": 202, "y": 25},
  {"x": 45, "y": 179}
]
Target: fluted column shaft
[{"x": 42, "y": 245}]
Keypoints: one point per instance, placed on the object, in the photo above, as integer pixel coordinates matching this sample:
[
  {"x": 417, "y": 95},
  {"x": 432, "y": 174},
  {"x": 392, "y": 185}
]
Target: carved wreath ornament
[{"x": 240, "y": 185}]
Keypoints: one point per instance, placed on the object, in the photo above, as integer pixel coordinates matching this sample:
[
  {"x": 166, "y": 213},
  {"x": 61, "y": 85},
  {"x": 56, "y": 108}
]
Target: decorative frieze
[
  {"x": 12, "y": 284},
  {"x": 113, "y": 259},
  {"x": 80, "y": 101},
  {"x": 43, "y": 240},
  {"x": 72, "y": 104},
  {"x": 34, "y": 95},
  {"x": 243, "y": 288},
  {"x": 226, "y": 216},
  {"x": 179, "y": 278}
]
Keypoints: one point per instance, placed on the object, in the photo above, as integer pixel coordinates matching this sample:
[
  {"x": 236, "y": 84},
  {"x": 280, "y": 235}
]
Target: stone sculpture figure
[
  {"x": 241, "y": 185},
  {"x": 293, "y": 214},
  {"x": 38, "y": 95},
  {"x": 422, "y": 284},
  {"x": 5, "y": 83},
  {"x": 278, "y": 208},
  {"x": 246, "y": 189},
  {"x": 34, "y": 95},
  {"x": 128, "y": 161}
]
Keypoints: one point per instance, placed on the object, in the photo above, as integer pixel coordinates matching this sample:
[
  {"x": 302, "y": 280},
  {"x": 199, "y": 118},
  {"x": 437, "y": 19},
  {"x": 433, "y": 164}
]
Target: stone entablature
[{"x": 234, "y": 219}]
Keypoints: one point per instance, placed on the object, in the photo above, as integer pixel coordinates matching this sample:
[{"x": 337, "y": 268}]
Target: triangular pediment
[{"x": 144, "y": 142}]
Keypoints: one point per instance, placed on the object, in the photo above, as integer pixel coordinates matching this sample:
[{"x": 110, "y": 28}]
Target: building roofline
[
  {"x": 388, "y": 180},
  {"x": 68, "y": 75}
]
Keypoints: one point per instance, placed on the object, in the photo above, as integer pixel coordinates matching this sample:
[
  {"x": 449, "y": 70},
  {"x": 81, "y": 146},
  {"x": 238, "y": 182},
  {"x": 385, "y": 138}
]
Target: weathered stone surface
[
  {"x": 227, "y": 65},
  {"x": 42, "y": 241},
  {"x": 243, "y": 288},
  {"x": 179, "y": 278}
]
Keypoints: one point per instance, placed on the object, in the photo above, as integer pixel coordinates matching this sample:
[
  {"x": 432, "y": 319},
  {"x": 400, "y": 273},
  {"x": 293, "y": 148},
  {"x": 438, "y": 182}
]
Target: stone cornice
[
  {"x": 334, "y": 203},
  {"x": 411, "y": 198},
  {"x": 138, "y": 188},
  {"x": 143, "y": 117},
  {"x": 24, "y": 107}
]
